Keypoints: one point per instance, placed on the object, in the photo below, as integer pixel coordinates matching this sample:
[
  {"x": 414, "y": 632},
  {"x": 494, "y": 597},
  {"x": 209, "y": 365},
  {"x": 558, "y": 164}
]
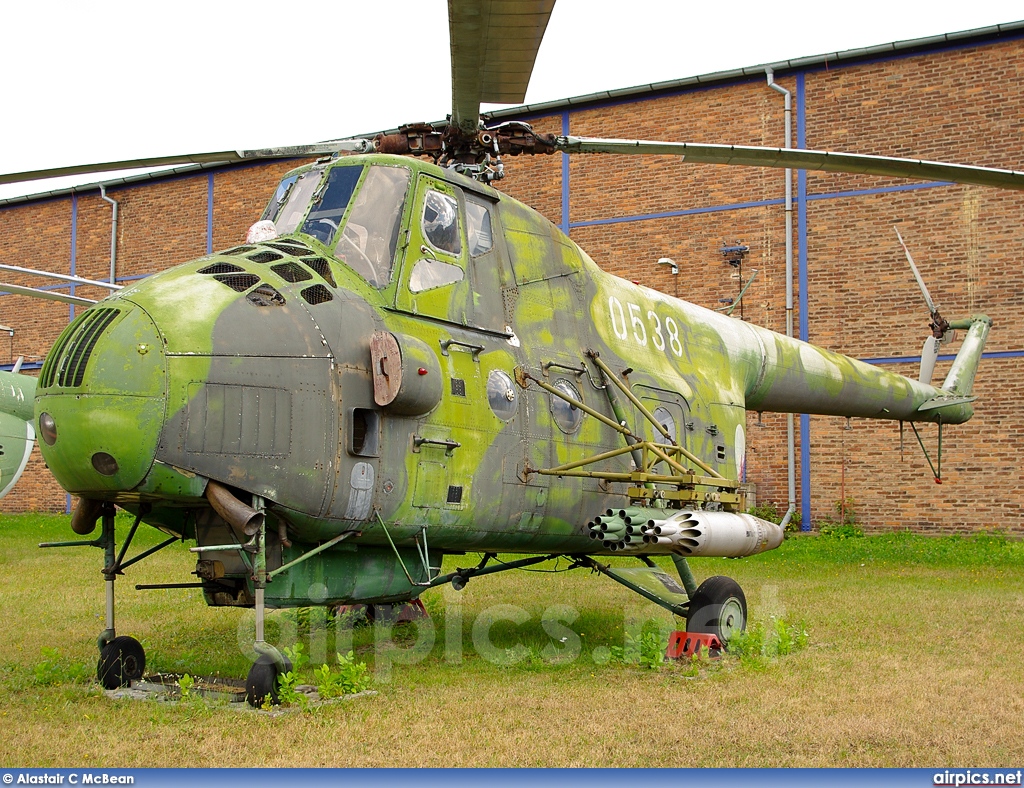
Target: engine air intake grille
[
  {"x": 317, "y": 294},
  {"x": 65, "y": 366},
  {"x": 265, "y": 257},
  {"x": 265, "y": 295},
  {"x": 221, "y": 268},
  {"x": 290, "y": 247},
  {"x": 322, "y": 267},
  {"x": 292, "y": 272},
  {"x": 238, "y": 282}
]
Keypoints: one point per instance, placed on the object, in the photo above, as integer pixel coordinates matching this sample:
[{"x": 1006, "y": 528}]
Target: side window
[
  {"x": 370, "y": 239},
  {"x": 441, "y": 222},
  {"x": 329, "y": 207},
  {"x": 478, "y": 227},
  {"x": 428, "y": 274},
  {"x": 440, "y": 226}
]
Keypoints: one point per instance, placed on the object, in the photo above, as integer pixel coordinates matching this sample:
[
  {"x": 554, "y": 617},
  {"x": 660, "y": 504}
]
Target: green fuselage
[{"x": 255, "y": 368}]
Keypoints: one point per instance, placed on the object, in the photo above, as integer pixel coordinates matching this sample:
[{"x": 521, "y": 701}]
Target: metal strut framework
[{"x": 692, "y": 488}]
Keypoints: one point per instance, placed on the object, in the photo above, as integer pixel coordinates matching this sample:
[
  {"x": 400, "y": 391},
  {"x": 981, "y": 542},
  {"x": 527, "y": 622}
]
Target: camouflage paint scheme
[
  {"x": 17, "y": 435},
  {"x": 186, "y": 378}
]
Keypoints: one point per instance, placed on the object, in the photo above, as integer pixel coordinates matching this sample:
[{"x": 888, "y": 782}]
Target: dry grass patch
[{"x": 915, "y": 658}]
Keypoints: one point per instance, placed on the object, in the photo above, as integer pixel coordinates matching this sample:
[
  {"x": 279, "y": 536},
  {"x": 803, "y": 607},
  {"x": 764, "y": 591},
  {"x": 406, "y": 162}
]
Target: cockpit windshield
[
  {"x": 331, "y": 201},
  {"x": 291, "y": 199},
  {"x": 370, "y": 239}
]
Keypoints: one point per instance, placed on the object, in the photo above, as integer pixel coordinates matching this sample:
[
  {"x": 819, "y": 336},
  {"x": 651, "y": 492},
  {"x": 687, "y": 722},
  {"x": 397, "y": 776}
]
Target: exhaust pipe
[
  {"x": 233, "y": 511},
  {"x": 87, "y": 512}
]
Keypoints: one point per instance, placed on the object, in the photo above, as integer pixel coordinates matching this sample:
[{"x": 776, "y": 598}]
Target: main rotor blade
[
  {"x": 494, "y": 45},
  {"x": 48, "y": 295},
  {"x": 798, "y": 159},
  {"x": 63, "y": 277},
  {"x": 917, "y": 275},
  {"x": 226, "y": 157}
]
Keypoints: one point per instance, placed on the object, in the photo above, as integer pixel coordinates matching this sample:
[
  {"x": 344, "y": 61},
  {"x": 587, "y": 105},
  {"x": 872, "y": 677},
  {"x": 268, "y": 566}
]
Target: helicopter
[{"x": 403, "y": 363}]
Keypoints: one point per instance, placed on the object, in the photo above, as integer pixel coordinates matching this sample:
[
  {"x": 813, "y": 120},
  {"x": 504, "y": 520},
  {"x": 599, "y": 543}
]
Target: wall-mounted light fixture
[{"x": 671, "y": 262}]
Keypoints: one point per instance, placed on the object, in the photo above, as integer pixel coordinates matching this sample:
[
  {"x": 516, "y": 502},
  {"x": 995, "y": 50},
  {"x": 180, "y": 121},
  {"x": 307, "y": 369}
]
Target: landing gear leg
[
  {"x": 122, "y": 659},
  {"x": 261, "y": 683}
]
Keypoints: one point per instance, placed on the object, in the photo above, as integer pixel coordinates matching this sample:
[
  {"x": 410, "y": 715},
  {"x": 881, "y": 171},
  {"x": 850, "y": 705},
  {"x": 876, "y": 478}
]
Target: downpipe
[
  {"x": 790, "y": 430},
  {"x": 113, "y": 233}
]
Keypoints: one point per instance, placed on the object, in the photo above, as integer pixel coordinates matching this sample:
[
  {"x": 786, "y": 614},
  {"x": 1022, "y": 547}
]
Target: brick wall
[{"x": 960, "y": 104}]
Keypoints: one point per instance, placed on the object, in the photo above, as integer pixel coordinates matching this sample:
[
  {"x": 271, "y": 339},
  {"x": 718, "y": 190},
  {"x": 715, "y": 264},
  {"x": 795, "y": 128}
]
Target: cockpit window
[
  {"x": 478, "y": 227},
  {"x": 441, "y": 222},
  {"x": 370, "y": 239},
  {"x": 291, "y": 199},
  {"x": 329, "y": 207}
]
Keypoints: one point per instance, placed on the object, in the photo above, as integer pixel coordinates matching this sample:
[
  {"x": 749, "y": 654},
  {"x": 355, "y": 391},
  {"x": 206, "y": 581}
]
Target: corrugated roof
[{"x": 979, "y": 35}]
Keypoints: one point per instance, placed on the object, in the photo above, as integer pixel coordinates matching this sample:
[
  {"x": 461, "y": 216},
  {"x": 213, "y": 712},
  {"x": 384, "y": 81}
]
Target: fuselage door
[{"x": 434, "y": 281}]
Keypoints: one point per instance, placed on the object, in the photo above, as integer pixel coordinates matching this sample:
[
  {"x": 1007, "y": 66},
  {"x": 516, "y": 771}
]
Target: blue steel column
[
  {"x": 209, "y": 213},
  {"x": 801, "y": 245}
]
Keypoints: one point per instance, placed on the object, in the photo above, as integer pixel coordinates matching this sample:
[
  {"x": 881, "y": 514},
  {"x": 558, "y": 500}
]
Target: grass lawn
[{"x": 915, "y": 657}]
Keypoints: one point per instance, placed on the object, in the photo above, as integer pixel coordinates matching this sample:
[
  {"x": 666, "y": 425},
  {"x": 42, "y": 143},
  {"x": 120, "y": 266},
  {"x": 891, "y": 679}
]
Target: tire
[
  {"x": 261, "y": 682},
  {"x": 718, "y": 607},
  {"x": 122, "y": 661}
]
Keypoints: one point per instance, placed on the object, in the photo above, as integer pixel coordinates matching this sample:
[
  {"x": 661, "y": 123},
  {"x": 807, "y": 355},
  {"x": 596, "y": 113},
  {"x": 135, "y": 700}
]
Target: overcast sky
[{"x": 102, "y": 81}]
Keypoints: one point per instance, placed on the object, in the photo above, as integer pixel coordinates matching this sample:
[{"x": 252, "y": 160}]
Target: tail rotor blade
[
  {"x": 917, "y": 275},
  {"x": 929, "y": 354}
]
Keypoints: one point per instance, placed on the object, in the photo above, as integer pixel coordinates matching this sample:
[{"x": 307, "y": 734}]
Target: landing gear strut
[
  {"x": 122, "y": 659},
  {"x": 261, "y": 683}
]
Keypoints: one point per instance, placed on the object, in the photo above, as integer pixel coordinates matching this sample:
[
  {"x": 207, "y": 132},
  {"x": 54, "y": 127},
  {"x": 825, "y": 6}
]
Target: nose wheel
[
  {"x": 122, "y": 661},
  {"x": 261, "y": 683}
]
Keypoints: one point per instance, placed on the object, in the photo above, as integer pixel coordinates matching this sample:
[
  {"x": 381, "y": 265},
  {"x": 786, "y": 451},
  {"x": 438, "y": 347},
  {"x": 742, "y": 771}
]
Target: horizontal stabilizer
[{"x": 941, "y": 402}]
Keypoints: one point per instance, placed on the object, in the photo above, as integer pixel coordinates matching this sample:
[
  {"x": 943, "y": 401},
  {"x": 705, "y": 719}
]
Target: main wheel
[
  {"x": 122, "y": 661},
  {"x": 261, "y": 683},
  {"x": 719, "y": 608}
]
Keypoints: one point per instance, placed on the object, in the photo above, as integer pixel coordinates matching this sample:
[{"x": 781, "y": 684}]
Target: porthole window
[
  {"x": 566, "y": 416},
  {"x": 501, "y": 394},
  {"x": 665, "y": 418}
]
